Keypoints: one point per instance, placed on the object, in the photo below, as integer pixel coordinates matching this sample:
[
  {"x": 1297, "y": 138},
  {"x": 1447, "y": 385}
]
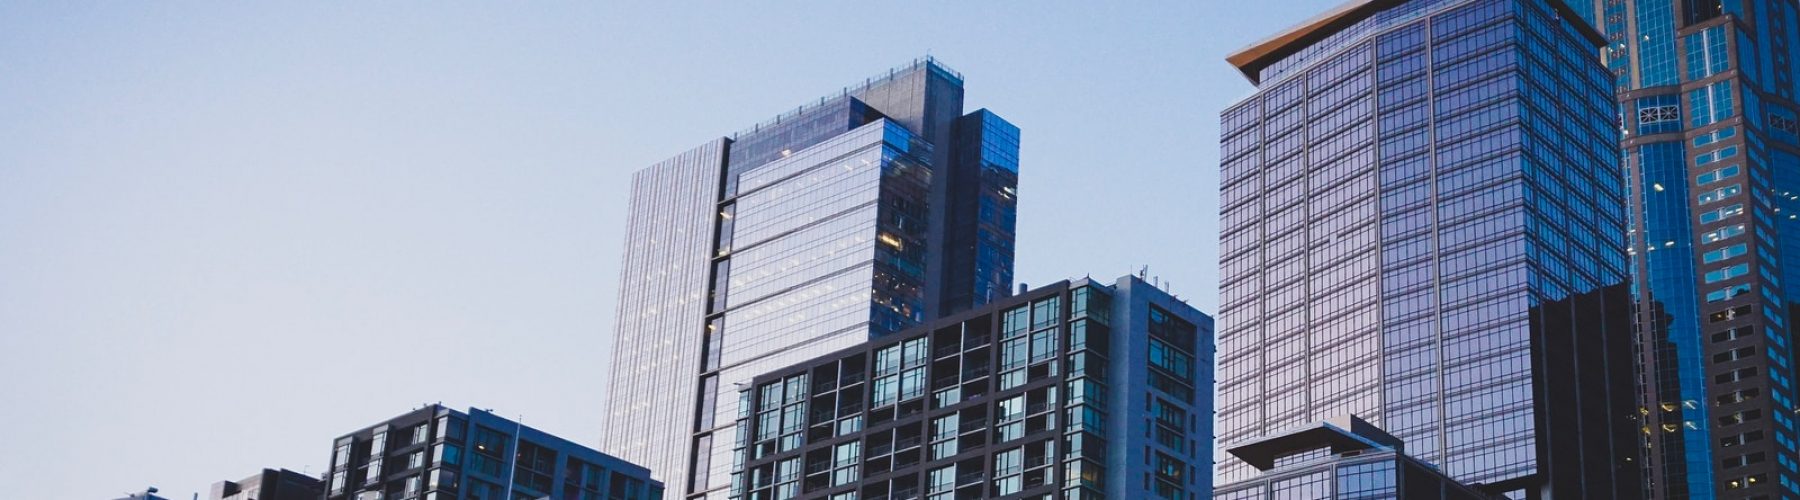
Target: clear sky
[{"x": 232, "y": 231}]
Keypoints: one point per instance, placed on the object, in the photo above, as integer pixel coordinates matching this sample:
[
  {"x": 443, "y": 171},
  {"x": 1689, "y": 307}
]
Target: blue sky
[{"x": 230, "y": 232}]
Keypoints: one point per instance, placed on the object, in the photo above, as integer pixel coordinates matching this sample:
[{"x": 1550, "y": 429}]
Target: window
[
  {"x": 1722, "y": 233},
  {"x": 1706, "y": 53},
  {"x": 1721, "y": 214},
  {"x": 1046, "y": 312},
  {"x": 1727, "y": 273},
  {"x": 884, "y": 391},
  {"x": 941, "y": 479},
  {"x": 1014, "y": 353},
  {"x": 1732, "y": 334},
  {"x": 1746, "y": 481},
  {"x": 845, "y": 458},
  {"x": 1723, "y": 253},
  {"x": 419, "y": 433},
  {"x": 1710, "y": 104},
  {"x": 1728, "y": 314},
  {"x": 1743, "y": 460},
  {"x": 1740, "y": 417},
  {"x": 1659, "y": 114},
  {"x": 447, "y": 454},
  {"x": 1015, "y": 322},
  {"x": 1735, "y": 354},
  {"x": 1745, "y": 373},
  {"x": 1736, "y": 397},
  {"x": 1715, "y": 136},
  {"x": 912, "y": 384},
  {"x": 1721, "y": 193},
  {"x": 373, "y": 474},
  {"x": 1717, "y": 175},
  {"x": 1741, "y": 439},
  {"x": 1715, "y": 155},
  {"x": 1167, "y": 414},
  {"x": 1782, "y": 124},
  {"x": 1174, "y": 361},
  {"x": 1727, "y": 293},
  {"x": 442, "y": 478},
  {"x": 887, "y": 360}
]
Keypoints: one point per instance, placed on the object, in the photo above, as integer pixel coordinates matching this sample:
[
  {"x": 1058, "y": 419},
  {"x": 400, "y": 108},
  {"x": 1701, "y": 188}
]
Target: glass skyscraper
[
  {"x": 1424, "y": 227},
  {"x": 850, "y": 218},
  {"x": 1706, "y": 99}
]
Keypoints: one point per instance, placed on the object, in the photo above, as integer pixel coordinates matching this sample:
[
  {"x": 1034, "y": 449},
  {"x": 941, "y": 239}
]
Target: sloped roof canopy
[{"x": 1341, "y": 434}]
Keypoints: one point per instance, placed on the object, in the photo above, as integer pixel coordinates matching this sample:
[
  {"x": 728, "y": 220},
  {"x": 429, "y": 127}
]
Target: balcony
[
  {"x": 946, "y": 350},
  {"x": 974, "y": 425},
  {"x": 850, "y": 378}
]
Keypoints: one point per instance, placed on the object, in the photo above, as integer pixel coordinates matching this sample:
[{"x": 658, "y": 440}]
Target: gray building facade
[
  {"x": 859, "y": 215},
  {"x": 1424, "y": 227},
  {"x": 436, "y": 453},
  {"x": 1077, "y": 390}
]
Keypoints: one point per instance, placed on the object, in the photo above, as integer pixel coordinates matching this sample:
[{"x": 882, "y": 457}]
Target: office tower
[
  {"x": 858, "y": 215},
  {"x": 271, "y": 484},
  {"x": 1078, "y": 390},
  {"x": 437, "y": 453},
  {"x": 1712, "y": 153},
  {"x": 1340, "y": 458},
  {"x": 1424, "y": 227}
]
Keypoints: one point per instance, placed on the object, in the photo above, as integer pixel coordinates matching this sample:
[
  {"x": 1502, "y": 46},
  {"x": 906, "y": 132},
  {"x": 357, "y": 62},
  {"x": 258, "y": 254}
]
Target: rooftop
[
  {"x": 1253, "y": 59},
  {"x": 926, "y": 62}
]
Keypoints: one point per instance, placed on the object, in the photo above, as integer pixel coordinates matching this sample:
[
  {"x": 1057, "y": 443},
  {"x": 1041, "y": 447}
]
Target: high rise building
[
  {"x": 1079, "y": 390},
  {"x": 436, "y": 453},
  {"x": 1706, "y": 95},
  {"x": 271, "y": 484},
  {"x": 859, "y": 215},
  {"x": 1424, "y": 227}
]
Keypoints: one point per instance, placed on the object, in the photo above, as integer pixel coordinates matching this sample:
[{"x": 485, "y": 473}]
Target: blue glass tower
[
  {"x": 1424, "y": 228},
  {"x": 1706, "y": 99}
]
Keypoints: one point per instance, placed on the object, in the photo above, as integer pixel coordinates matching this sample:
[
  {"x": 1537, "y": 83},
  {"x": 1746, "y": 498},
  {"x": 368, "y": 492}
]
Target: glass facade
[
  {"x": 668, "y": 255},
  {"x": 1423, "y": 225},
  {"x": 1053, "y": 394},
  {"x": 436, "y": 453},
  {"x": 1343, "y": 458},
  {"x": 987, "y": 187},
  {"x": 1374, "y": 477},
  {"x": 1705, "y": 91},
  {"x": 816, "y": 231}
]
